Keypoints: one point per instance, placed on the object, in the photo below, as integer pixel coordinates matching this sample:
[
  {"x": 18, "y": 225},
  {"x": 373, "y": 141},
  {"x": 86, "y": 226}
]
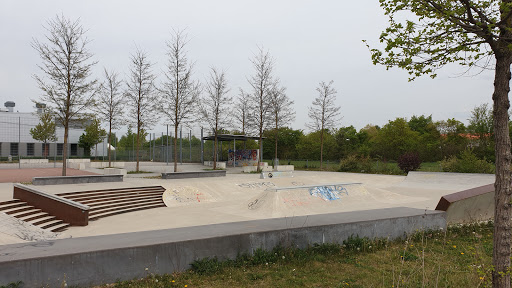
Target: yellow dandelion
[
  {"x": 481, "y": 278},
  {"x": 172, "y": 281},
  {"x": 461, "y": 253},
  {"x": 454, "y": 246}
]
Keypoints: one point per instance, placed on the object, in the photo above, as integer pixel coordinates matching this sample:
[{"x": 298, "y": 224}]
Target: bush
[
  {"x": 467, "y": 163},
  {"x": 409, "y": 162},
  {"x": 356, "y": 164}
]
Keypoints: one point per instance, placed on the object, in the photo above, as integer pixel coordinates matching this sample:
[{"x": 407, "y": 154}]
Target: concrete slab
[
  {"x": 204, "y": 201},
  {"x": 125, "y": 256}
]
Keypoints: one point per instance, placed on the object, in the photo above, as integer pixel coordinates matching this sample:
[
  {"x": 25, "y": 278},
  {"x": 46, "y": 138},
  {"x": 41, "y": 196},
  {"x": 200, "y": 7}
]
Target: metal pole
[
  {"x": 103, "y": 150},
  {"x": 234, "y": 153},
  {"x": 154, "y": 143},
  {"x": 181, "y": 145},
  {"x": 202, "y": 147},
  {"x": 190, "y": 144},
  {"x": 167, "y": 146},
  {"x": 19, "y": 142}
]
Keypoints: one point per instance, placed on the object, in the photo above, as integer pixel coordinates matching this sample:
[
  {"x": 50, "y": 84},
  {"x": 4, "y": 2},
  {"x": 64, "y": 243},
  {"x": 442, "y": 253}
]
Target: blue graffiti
[{"x": 328, "y": 193}]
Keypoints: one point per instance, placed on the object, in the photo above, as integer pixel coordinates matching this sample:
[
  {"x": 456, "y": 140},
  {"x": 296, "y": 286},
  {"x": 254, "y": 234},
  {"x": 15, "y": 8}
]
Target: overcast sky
[{"x": 311, "y": 41}]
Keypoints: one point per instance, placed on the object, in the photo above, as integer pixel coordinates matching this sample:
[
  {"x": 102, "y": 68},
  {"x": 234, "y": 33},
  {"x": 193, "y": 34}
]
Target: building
[{"x": 15, "y": 138}]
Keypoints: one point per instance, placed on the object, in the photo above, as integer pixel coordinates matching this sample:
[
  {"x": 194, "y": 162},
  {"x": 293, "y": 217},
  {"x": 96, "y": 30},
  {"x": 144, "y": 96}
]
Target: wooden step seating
[
  {"x": 32, "y": 215},
  {"x": 110, "y": 202}
]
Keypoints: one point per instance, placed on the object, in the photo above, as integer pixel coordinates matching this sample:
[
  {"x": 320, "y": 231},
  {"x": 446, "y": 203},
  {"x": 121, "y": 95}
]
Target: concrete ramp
[
  {"x": 322, "y": 198},
  {"x": 468, "y": 206}
]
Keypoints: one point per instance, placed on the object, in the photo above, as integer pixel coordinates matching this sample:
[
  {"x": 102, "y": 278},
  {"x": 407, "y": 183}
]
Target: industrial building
[{"x": 15, "y": 138}]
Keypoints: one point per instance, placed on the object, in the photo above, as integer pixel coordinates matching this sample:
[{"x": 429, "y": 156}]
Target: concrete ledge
[
  {"x": 266, "y": 175},
  {"x": 97, "y": 260},
  {"x": 67, "y": 210},
  {"x": 114, "y": 171},
  {"x": 199, "y": 174},
  {"x": 249, "y": 169},
  {"x": 284, "y": 168},
  {"x": 468, "y": 206},
  {"x": 76, "y": 165},
  {"x": 84, "y": 160},
  {"x": 57, "y": 180},
  {"x": 33, "y": 161},
  {"x": 220, "y": 164}
]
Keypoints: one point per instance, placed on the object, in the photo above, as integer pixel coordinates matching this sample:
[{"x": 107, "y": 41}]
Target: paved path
[{"x": 26, "y": 175}]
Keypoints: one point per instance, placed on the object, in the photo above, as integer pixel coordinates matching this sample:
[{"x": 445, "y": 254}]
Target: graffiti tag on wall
[
  {"x": 329, "y": 192},
  {"x": 243, "y": 157}
]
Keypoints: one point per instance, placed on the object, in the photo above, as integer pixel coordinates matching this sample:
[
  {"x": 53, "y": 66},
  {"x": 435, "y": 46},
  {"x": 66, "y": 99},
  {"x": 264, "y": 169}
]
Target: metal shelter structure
[{"x": 228, "y": 137}]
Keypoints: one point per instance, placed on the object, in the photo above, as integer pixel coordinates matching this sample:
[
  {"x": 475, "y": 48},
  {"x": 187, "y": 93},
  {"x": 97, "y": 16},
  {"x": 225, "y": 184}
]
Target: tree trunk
[
  {"x": 65, "y": 149},
  {"x": 277, "y": 131},
  {"x": 502, "y": 185},
  {"x": 137, "y": 149},
  {"x": 215, "y": 151},
  {"x": 321, "y": 148},
  {"x": 176, "y": 148}
]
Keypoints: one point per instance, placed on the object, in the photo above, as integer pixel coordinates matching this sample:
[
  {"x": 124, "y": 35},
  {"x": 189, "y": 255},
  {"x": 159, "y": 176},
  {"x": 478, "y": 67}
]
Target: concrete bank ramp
[
  {"x": 446, "y": 180},
  {"x": 322, "y": 198}
]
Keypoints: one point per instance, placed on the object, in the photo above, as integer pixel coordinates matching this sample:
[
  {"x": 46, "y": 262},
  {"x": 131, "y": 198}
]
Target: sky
[{"x": 310, "y": 41}]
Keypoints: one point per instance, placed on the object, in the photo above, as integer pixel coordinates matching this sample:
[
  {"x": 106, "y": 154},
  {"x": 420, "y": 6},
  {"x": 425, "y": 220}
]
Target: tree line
[{"x": 140, "y": 101}]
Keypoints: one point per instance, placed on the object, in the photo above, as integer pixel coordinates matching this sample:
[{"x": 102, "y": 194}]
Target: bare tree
[
  {"x": 110, "y": 104},
  {"x": 324, "y": 113},
  {"x": 214, "y": 107},
  {"x": 281, "y": 111},
  {"x": 241, "y": 111},
  {"x": 140, "y": 92},
  {"x": 179, "y": 93},
  {"x": 262, "y": 83},
  {"x": 66, "y": 64}
]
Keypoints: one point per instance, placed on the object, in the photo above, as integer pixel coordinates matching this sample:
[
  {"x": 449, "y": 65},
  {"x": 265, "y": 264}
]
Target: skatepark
[{"x": 208, "y": 216}]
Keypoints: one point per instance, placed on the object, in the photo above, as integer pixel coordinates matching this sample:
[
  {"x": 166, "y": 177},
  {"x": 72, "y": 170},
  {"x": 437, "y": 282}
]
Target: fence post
[
  {"x": 167, "y": 145},
  {"x": 181, "y": 145},
  {"x": 19, "y": 142},
  {"x": 190, "y": 144},
  {"x": 202, "y": 147}
]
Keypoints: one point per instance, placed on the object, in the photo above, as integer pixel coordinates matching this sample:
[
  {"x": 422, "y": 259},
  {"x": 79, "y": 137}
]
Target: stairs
[
  {"x": 102, "y": 203},
  {"x": 110, "y": 202},
  {"x": 32, "y": 215}
]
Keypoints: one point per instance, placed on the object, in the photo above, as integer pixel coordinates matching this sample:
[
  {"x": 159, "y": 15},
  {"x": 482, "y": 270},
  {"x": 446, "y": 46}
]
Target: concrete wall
[
  {"x": 199, "y": 174},
  {"x": 58, "y": 180},
  {"x": 105, "y": 259},
  {"x": 469, "y": 206}
]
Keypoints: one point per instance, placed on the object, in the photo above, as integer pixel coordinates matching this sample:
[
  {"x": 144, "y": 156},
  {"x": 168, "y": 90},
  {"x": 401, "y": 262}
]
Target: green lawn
[{"x": 459, "y": 257}]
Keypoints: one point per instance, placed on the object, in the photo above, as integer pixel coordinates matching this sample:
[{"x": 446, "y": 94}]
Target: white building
[{"x": 15, "y": 138}]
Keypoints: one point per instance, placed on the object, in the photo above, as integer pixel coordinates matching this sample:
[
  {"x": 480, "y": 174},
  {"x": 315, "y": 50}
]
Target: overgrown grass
[{"x": 458, "y": 257}]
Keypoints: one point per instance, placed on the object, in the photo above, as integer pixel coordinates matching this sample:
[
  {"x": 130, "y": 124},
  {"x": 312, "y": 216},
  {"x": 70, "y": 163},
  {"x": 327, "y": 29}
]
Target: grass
[
  {"x": 458, "y": 257},
  {"x": 138, "y": 172}
]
